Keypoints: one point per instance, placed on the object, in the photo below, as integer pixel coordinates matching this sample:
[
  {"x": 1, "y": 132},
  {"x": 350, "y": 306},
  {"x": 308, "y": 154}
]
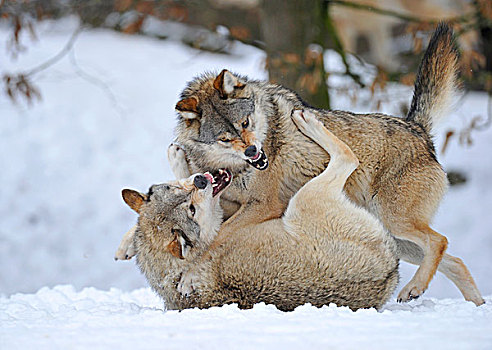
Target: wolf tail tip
[{"x": 437, "y": 81}]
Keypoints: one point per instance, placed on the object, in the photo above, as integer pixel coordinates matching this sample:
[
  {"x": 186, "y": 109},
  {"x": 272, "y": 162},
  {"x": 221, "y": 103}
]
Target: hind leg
[
  {"x": 405, "y": 207},
  {"x": 432, "y": 258},
  {"x": 342, "y": 160},
  {"x": 452, "y": 267},
  {"x": 433, "y": 245},
  {"x": 327, "y": 186},
  {"x": 456, "y": 271}
]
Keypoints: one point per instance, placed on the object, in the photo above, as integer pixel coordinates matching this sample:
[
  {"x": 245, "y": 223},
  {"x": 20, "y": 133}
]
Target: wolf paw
[
  {"x": 188, "y": 283},
  {"x": 178, "y": 162},
  {"x": 410, "y": 292},
  {"x": 126, "y": 249},
  {"x": 307, "y": 123}
]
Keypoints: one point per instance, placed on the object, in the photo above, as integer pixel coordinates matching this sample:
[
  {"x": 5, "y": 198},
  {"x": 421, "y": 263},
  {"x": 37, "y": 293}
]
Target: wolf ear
[
  {"x": 226, "y": 82},
  {"x": 133, "y": 198},
  {"x": 188, "y": 108},
  {"x": 175, "y": 248}
]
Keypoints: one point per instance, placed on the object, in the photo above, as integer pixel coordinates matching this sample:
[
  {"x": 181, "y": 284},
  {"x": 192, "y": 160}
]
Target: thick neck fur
[
  {"x": 165, "y": 279},
  {"x": 287, "y": 148}
]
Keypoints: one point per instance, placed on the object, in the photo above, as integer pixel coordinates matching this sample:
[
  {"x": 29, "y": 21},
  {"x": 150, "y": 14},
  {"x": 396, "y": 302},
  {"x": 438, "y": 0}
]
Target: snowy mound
[{"x": 63, "y": 318}]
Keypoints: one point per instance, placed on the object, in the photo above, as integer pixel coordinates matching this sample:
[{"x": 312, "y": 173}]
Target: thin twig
[
  {"x": 96, "y": 81},
  {"x": 488, "y": 121},
  {"x": 391, "y": 13},
  {"x": 68, "y": 46}
]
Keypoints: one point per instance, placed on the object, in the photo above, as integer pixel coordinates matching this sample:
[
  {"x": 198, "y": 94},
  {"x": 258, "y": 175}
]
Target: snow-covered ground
[
  {"x": 62, "y": 318},
  {"x": 103, "y": 124}
]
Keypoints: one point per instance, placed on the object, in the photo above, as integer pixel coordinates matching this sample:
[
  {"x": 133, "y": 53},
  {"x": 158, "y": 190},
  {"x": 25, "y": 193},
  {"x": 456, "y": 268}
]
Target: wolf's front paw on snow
[{"x": 188, "y": 283}]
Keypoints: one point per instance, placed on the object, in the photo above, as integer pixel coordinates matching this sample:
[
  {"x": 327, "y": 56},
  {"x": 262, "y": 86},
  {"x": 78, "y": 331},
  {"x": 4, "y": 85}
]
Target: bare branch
[
  {"x": 391, "y": 13},
  {"x": 68, "y": 46},
  {"x": 340, "y": 49},
  {"x": 96, "y": 81}
]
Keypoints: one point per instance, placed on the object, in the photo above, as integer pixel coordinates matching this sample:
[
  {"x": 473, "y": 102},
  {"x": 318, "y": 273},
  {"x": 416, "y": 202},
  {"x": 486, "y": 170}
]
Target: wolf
[
  {"x": 229, "y": 121},
  {"x": 325, "y": 249}
]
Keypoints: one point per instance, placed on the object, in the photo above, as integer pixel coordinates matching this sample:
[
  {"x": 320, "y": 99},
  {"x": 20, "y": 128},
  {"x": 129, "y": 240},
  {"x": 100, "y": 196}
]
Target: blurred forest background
[{"x": 389, "y": 34}]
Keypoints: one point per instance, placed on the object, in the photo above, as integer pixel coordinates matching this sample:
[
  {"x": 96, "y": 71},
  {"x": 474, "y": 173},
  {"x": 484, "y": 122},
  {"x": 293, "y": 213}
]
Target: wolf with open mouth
[
  {"x": 229, "y": 121},
  {"x": 338, "y": 253}
]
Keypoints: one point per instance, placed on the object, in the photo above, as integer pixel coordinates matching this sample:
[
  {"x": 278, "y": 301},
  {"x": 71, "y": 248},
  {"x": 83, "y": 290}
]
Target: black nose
[
  {"x": 250, "y": 151},
  {"x": 200, "y": 181}
]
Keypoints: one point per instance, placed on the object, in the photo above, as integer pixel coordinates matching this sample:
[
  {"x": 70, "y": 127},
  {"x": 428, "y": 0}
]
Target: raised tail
[{"x": 437, "y": 84}]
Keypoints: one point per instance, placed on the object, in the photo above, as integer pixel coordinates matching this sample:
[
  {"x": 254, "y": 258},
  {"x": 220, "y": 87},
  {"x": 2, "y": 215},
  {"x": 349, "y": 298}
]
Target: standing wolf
[
  {"x": 244, "y": 125},
  {"x": 325, "y": 249}
]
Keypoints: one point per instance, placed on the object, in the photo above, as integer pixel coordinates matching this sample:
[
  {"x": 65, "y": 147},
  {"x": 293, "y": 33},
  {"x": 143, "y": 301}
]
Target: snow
[
  {"x": 103, "y": 124},
  {"x": 63, "y": 318}
]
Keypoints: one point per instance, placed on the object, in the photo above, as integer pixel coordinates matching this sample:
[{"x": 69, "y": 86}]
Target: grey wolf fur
[
  {"x": 325, "y": 249},
  {"x": 399, "y": 179}
]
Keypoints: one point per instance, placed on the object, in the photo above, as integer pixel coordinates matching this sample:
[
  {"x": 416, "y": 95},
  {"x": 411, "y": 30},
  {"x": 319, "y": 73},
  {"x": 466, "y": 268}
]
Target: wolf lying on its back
[
  {"x": 324, "y": 250},
  {"x": 232, "y": 122}
]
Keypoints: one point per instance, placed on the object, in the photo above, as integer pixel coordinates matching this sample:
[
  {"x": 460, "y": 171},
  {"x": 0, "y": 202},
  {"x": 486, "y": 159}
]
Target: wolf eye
[
  {"x": 192, "y": 209},
  {"x": 224, "y": 139},
  {"x": 245, "y": 124}
]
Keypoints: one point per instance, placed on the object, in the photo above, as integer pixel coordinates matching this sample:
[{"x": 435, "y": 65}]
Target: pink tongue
[
  {"x": 256, "y": 157},
  {"x": 209, "y": 177}
]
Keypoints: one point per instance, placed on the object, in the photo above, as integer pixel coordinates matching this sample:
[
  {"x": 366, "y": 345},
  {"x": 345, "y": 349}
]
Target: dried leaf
[
  {"x": 240, "y": 32},
  {"x": 122, "y": 5},
  {"x": 485, "y": 7},
  {"x": 417, "y": 44},
  {"x": 292, "y": 58},
  {"x": 408, "y": 79},
  {"x": 145, "y": 7},
  {"x": 134, "y": 27},
  {"x": 445, "y": 145}
]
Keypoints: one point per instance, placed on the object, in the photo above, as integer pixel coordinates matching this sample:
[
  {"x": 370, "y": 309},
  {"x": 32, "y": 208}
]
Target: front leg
[
  {"x": 189, "y": 282},
  {"x": 178, "y": 161},
  {"x": 126, "y": 249}
]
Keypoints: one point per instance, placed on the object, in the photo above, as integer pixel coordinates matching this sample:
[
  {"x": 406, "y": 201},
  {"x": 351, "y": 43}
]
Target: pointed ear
[
  {"x": 188, "y": 108},
  {"x": 175, "y": 248},
  {"x": 134, "y": 199},
  {"x": 226, "y": 82}
]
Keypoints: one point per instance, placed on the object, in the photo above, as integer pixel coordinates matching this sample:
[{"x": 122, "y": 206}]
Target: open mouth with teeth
[
  {"x": 219, "y": 179},
  {"x": 259, "y": 161}
]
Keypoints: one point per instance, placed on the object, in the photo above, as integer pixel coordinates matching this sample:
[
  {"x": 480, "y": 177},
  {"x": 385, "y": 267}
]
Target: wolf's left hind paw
[
  {"x": 409, "y": 292},
  {"x": 307, "y": 123}
]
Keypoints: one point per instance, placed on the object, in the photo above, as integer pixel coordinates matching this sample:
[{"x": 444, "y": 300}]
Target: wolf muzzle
[{"x": 260, "y": 162}]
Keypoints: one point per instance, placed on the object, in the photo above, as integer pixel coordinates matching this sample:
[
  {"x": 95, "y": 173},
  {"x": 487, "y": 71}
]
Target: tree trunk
[{"x": 289, "y": 28}]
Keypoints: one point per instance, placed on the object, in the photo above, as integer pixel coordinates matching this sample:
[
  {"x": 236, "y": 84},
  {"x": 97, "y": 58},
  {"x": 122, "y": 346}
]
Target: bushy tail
[{"x": 437, "y": 85}]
